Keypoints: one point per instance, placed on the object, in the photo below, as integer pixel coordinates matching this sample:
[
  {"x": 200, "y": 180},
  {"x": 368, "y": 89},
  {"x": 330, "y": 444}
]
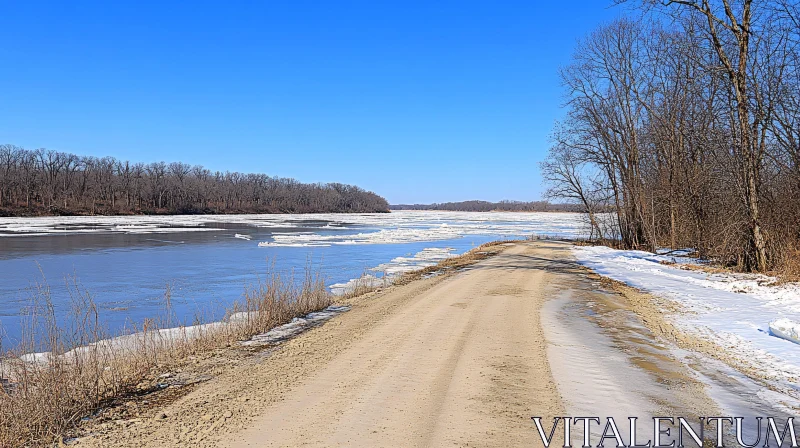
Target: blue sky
[{"x": 417, "y": 101}]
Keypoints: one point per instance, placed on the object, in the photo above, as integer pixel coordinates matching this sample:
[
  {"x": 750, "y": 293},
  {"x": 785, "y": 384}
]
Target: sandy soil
[{"x": 460, "y": 360}]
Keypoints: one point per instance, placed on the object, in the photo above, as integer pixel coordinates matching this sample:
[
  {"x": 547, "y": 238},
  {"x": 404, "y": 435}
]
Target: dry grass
[
  {"x": 80, "y": 369},
  {"x": 789, "y": 270},
  {"x": 708, "y": 268}
]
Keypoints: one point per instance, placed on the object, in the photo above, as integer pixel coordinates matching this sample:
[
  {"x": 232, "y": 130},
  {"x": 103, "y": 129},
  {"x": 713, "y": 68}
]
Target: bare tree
[
  {"x": 690, "y": 113},
  {"x": 572, "y": 179},
  {"x": 47, "y": 182}
]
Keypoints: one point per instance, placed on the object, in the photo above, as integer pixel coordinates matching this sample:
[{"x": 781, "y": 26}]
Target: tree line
[
  {"x": 684, "y": 119},
  {"x": 46, "y": 182},
  {"x": 485, "y": 206}
]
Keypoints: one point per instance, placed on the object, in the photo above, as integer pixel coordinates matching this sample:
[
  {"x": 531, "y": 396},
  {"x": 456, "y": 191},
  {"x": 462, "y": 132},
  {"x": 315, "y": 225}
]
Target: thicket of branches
[
  {"x": 51, "y": 182},
  {"x": 686, "y": 121},
  {"x": 485, "y": 206}
]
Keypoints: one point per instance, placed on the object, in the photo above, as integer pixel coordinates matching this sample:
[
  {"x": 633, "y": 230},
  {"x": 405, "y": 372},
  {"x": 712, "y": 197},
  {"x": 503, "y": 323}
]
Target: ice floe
[
  {"x": 785, "y": 329},
  {"x": 407, "y": 227}
]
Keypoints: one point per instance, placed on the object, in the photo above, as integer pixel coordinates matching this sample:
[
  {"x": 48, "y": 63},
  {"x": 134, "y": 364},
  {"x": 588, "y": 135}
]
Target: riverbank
[
  {"x": 51, "y": 395},
  {"x": 461, "y": 359}
]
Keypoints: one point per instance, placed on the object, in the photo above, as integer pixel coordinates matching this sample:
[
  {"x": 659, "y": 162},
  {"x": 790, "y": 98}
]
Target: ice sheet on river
[
  {"x": 370, "y": 228},
  {"x": 407, "y": 227}
]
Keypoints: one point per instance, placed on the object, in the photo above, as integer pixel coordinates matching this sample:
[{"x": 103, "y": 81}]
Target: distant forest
[
  {"x": 45, "y": 182},
  {"x": 485, "y": 206}
]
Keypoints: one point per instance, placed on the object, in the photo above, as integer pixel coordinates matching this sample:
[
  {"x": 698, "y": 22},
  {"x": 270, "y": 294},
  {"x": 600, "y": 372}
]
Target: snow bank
[
  {"x": 296, "y": 326},
  {"x": 785, "y": 329},
  {"x": 734, "y": 310},
  {"x": 131, "y": 342}
]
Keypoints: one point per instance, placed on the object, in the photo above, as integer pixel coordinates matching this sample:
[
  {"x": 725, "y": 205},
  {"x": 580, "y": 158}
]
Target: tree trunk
[{"x": 757, "y": 237}]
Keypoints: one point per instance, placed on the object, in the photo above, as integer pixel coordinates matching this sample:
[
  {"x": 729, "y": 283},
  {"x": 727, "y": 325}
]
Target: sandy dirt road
[
  {"x": 462, "y": 364},
  {"x": 454, "y": 361}
]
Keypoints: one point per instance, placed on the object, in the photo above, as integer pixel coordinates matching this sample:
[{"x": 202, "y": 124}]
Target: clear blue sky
[{"x": 418, "y": 101}]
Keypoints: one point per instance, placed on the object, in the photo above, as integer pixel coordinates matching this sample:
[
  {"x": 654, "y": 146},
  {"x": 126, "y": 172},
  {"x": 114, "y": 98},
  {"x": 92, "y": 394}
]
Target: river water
[{"x": 127, "y": 263}]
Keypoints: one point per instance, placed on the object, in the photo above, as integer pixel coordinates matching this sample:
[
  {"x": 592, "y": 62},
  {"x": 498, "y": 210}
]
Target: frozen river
[{"x": 126, "y": 263}]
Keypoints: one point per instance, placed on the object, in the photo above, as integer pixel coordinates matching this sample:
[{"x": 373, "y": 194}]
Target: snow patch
[
  {"x": 365, "y": 281},
  {"x": 131, "y": 342},
  {"x": 734, "y": 310},
  {"x": 785, "y": 329},
  {"x": 296, "y": 326},
  {"x": 386, "y": 273}
]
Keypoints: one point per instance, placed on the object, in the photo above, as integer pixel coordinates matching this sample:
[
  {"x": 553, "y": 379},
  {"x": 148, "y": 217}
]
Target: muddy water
[{"x": 608, "y": 364}]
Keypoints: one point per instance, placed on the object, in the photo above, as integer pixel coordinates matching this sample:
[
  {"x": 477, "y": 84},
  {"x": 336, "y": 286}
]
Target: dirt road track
[
  {"x": 461, "y": 364},
  {"x": 459, "y": 361}
]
